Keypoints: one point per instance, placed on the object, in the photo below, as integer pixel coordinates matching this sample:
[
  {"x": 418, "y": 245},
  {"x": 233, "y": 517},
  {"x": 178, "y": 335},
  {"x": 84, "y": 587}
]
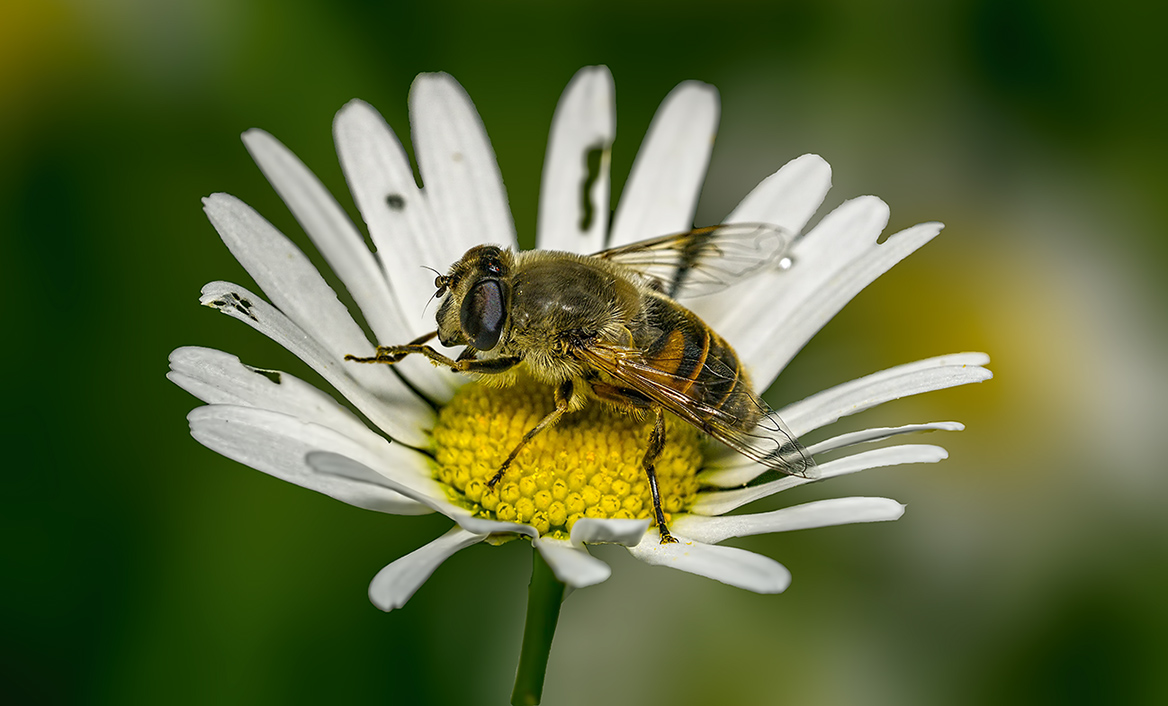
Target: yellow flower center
[{"x": 587, "y": 465}]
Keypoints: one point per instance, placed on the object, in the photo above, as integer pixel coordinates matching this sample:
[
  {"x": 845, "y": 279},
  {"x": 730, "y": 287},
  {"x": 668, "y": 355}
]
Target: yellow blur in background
[{"x": 1030, "y": 567}]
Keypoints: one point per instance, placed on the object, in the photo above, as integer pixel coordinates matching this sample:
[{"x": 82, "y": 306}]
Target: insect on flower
[{"x": 608, "y": 327}]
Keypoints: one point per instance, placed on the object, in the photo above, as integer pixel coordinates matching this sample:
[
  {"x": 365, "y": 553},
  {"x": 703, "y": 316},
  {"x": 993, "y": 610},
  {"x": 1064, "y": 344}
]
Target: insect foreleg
[
  {"x": 656, "y": 445},
  {"x": 563, "y": 398},
  {"x": 394, "y": 354},
  {"x": 388, "y": 360}
]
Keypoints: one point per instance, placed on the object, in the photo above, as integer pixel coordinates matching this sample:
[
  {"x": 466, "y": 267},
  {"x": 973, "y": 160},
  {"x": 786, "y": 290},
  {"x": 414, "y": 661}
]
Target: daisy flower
[{"x": 424, "y": 439}]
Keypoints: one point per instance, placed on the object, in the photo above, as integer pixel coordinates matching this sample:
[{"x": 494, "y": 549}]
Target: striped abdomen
[{"x": 696, "y": 362}]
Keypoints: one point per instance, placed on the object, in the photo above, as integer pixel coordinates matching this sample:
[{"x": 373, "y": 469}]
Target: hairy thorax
[{"x": 558, "y": 303}]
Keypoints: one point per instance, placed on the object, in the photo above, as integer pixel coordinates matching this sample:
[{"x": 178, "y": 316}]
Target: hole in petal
[
  {"x": 233, "y": 301},
  {"x": 592, "y": 161},
  {"x": 395, "y": 201}
]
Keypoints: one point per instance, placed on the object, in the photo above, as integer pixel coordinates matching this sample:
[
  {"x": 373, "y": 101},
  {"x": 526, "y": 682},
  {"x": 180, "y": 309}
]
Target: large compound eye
[{"x": 483, "y": 315}]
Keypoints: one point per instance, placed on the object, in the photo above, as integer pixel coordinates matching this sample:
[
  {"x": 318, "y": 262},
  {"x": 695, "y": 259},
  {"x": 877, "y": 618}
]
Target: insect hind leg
[
  {"x": 656, "y": 445},
  {"x": 632, "y": 400}
]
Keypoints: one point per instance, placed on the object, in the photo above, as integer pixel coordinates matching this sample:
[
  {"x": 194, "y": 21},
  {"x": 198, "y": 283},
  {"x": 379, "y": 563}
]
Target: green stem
[{"x": 545, "y": 593}]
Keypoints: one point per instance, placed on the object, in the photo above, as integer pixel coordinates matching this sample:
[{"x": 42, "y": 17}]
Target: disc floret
[{"x": 587, "y": 465}]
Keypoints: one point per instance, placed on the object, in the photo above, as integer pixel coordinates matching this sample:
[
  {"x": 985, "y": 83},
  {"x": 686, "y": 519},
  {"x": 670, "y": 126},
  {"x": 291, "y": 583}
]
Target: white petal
[
  {"x": 585, "y": 120},
  {"x": 938, "y": 373},
  {"x": 787, "y": 198},
  {"x": 821, "y": 513},
  {"x": 298, "y": 290},
  {"x": 395, "y": 210},
  {"x": 220, "y": 378},
  {"x": 723, "y": 501},
  {"x": 738, "y": 470},
  {"x": 809, "y": 315},
  {"x": 879, "y": 434},
  {"x": 426, "y": 491},
  {"x": 330, "y": 230},
  {"x": 372, "y": 388},
  {"x": 285, "y": 275},
  {"x": 277, "y": 444},
  {"x": 661, "y": 194},
  {"x": 457, "y": 163},
  {"x": 479, "y": 525},
  {"x": 396, "y": 583},
  {"x": 842, "y": 236},
  {"x": 361, "y": 468},
  {"x": 398, "y": 214},
  {"x": 736, "y": 567},
  {"x": 344, "y": 247},
  {"x": 591, "y": 530},
  {"x": 572, "y": 565}
]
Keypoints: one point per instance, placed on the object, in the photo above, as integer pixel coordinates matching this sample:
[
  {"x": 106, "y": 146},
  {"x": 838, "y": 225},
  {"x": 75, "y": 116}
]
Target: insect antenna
[{"x": 440, "y": 283}]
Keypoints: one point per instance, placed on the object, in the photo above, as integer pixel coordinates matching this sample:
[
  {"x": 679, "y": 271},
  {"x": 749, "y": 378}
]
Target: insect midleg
[
  {"x": 563, "y": 397},
  {"x": 656, "y": 445}
]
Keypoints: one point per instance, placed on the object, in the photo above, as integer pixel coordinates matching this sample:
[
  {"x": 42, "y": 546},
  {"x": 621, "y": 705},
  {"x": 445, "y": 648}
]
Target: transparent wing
[
  {"x": 705, "y": 260},
  {"x": 763, "y": 438}
]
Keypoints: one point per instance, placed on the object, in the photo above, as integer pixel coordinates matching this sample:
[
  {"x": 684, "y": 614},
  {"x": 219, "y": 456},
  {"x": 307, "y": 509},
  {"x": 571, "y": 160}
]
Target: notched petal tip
[
  {"x": 195, "y": 416},
  {"x": 220, "y": 199},
  {"x": 214, "y": 198}
]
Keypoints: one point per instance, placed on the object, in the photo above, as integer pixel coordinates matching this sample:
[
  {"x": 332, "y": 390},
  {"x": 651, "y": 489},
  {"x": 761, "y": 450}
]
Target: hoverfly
[{"x": 608, "y": 326}]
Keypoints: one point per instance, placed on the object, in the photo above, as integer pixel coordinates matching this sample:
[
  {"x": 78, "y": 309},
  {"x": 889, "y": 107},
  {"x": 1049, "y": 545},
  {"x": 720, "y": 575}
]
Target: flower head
[{"x": 433, "y": 441}]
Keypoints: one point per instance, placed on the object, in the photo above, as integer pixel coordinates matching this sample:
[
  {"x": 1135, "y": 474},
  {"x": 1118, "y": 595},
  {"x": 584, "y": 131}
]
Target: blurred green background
[{"x": 1031, "y": 567}]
